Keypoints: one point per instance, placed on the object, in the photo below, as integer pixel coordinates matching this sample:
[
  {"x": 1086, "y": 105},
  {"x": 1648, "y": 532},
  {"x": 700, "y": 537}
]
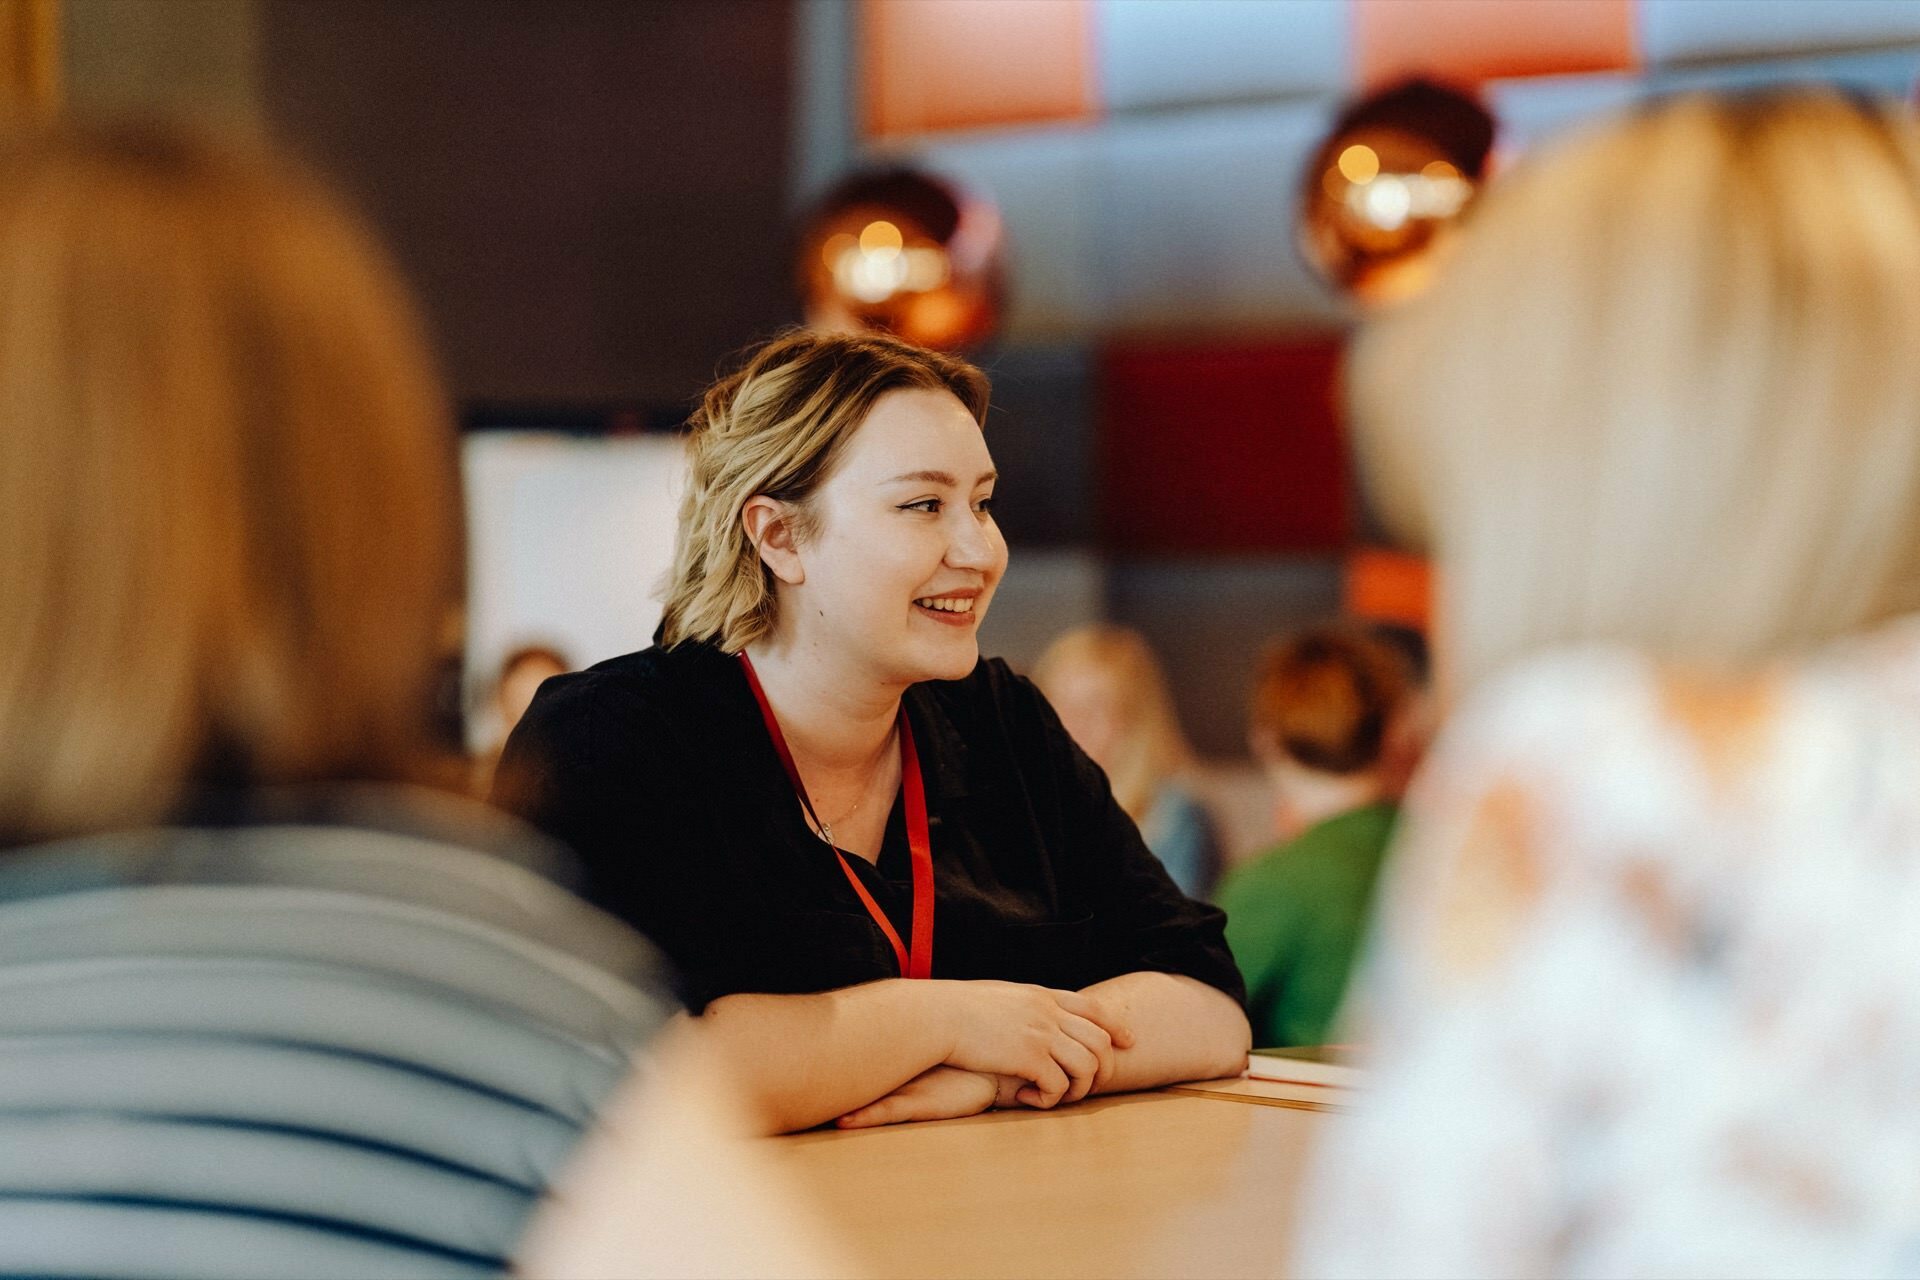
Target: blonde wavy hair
[
  {"x": 228, "y": 487},
  {"x": 1665, "y": 391},
  {"x": 1149, "y": 748},
  {"x": 778, "y": 427}
]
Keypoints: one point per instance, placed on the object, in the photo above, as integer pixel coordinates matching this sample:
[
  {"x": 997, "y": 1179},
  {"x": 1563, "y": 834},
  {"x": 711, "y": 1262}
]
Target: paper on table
[
  {"x": 1316, "y": 1068},
  {"x": 1271, "y": 1093}
]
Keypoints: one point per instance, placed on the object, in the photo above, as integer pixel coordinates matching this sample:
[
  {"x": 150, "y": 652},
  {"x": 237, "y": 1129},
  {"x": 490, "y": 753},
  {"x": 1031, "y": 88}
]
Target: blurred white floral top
[{"x": 1645, "y": 998}]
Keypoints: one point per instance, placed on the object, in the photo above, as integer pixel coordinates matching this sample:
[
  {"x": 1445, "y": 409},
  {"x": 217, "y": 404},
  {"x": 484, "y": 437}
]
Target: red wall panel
[
  {"x": 1221, "y": 448},
  {"x": 1467, "y": 41},
  {"x": 958, "y": 64}
]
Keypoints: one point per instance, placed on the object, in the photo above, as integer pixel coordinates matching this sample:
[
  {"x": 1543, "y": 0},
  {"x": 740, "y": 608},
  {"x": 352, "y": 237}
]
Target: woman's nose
[{"x": 971, "y": 544}]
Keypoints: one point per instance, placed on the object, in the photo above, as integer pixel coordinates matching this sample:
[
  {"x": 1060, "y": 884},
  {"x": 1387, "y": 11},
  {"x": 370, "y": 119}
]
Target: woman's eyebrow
[{"x": 940, "y": 477}]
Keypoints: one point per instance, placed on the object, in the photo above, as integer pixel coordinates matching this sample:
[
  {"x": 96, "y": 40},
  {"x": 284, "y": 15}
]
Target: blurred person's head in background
[
  {"x": 1112, "y": 696},
  {"x": 521, "y": 674},
  {"x": 1328, "y": 722},
  {"x": 1686, "y": 423},
  {"x": 228, "y": 500},
  {"x": 1413, "y": 725}
]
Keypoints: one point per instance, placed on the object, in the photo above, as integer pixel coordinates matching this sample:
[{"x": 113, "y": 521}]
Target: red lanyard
[{"x": 917, "y": 963}]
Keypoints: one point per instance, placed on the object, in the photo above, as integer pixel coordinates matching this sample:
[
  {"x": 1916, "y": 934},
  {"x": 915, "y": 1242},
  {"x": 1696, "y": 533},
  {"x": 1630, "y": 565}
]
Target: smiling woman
[{"x": 891, "y": 881}]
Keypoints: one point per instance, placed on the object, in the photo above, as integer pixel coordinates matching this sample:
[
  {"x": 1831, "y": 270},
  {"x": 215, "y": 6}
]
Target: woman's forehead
[{"x": 918, "y": 434}]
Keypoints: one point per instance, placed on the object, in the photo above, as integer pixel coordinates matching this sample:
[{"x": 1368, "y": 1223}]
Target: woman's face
[{"x": 904, "y": 555}]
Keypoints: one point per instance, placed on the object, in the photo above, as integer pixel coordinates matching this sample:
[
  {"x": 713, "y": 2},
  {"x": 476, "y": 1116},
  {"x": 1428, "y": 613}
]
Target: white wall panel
[{"x": 568, "y": 542}]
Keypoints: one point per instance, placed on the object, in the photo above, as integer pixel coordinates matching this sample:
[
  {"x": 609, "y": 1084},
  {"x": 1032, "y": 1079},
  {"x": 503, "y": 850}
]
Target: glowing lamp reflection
[
  {"x": 1359, "y": 164},
  {"x": 898, "y": 251},
  {"x": 875, "y": 274},
  {"x": 1385, "y": 203},
  {"x": 882, "y": 239},
  {"x": 1390, "y": 200},
  {"x": 1388, "y": 185},
  {"x": 836, "y": 248}
]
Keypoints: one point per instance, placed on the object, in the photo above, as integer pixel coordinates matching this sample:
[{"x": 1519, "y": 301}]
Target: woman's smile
[{"x": 954, "y": 609}]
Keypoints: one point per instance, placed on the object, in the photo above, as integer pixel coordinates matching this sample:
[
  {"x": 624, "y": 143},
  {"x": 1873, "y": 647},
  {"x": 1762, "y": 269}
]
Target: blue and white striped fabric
[{"x": 295, "y": 1050}]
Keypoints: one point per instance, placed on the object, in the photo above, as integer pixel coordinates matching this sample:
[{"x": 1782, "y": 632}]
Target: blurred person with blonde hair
[
  {"x": 1326, "y": 710},
  {"x": 1112, "y": 696},
  {"x": 1639, "y": 999},
  {"x": 268, "y": 1004},
  {"x": 890, "y": 882}
]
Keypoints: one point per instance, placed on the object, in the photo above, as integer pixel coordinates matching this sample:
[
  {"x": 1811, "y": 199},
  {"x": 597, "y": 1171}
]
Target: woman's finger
[
  {"x": 1080, "y": 1063},
  {"x": 888, "y": 1110},
  {"x": 1094, "y": 1038},
  {"x": 1097, "y": 1012},
  {"x": 939, "y": 1094},
  {"x": 1090, "y": 1034},
  {"x": 1050, "y": 1083}
]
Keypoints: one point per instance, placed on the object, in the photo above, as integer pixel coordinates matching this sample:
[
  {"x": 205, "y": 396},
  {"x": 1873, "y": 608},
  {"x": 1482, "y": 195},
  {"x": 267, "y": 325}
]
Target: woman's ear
[{"x": 769, "y": 526}]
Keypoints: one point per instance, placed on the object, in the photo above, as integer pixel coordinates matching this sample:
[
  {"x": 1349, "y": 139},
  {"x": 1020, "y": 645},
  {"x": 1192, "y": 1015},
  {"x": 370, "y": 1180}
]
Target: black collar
[{"x": 943, "y": 751}]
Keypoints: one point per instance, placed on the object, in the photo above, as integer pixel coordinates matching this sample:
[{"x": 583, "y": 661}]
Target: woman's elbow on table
[{"x": 1183, "y": 1029}]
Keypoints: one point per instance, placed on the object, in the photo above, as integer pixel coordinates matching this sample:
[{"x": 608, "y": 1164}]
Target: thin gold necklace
[{"x": 823, "y": 828}]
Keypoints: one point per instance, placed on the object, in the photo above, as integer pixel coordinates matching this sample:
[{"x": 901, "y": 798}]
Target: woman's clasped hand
[
  {"x": 1013, "y": 1044},
  {"x": 939, "y": 1093}
]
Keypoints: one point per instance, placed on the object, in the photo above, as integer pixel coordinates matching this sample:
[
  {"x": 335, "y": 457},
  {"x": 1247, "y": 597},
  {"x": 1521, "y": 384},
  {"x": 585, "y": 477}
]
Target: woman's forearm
[
  {"x": 1183, "y": 1029},
  {"x": 805, "y": 1059}
]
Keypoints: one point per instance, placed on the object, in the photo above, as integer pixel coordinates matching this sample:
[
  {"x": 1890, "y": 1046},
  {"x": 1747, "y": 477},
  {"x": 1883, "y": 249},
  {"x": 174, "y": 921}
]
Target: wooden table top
[{"x": 1195, "y": 1181}]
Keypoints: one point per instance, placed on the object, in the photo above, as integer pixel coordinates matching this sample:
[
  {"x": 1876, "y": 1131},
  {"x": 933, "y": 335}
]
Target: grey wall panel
[
  {"x": 1698, "y": 30},
  {"x": 1209, "y": 619},
  {"x": 1043, "y": 594},
  {"x": 825, "y": 136},
  {"x": 1890, "y": 72},
  {"x": 1196, "y": 220},
  {"x": 1155, "y": 54},
  {"x": 1040, "y": 430},
  {"x": 1536, "y": 108},
  {"x": 1530, "y": 110},
  {"x": 1044, "y": 182},
  {"x": 1178, "y": 220}
]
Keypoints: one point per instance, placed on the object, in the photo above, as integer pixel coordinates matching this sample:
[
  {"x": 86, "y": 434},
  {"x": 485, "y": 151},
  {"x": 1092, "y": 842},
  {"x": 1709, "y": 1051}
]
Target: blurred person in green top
[{"x": 1331, "y": 717}]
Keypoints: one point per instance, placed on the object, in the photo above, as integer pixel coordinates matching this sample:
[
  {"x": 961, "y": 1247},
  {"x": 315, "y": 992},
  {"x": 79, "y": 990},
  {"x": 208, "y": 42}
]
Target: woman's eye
[
  {"x": 929, "y": 505},
  {"x": 984, "y": 505}
]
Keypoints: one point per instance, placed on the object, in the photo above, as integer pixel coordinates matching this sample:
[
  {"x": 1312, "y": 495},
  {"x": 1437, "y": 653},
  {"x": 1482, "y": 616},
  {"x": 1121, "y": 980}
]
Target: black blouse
[{"x": 657, "y": 768}]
